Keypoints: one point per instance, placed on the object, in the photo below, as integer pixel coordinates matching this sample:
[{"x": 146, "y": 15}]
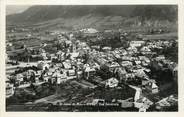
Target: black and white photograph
[{"x": 91, "y": 58}]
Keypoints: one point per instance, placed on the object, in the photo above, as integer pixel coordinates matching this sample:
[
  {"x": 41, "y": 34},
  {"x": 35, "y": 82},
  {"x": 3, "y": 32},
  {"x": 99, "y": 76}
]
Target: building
[
  {"x": 121, "y": 73},
  {"x": 128, "y": 103},
  {"x": 74, "y": 55},
  {"x": 67, "y": 65},
  {"x": 140, "y": 73},
  {"x": 71, "y": 72},
  {"x": 136, "y": 43},
  {"x": 167, "y": 102},
  {"x": 61, "y": 78},
  {"x": 132, "y": 49},
  {"x": 60, "y": 55},
  {"x": 175, "y": 73},
  {"x": 106, "y": 48},
  {"x": 89, "y": 72},
  {"x": 145, "y": 50},
  {"x": 160, "y": 57},
  {"x": 79, "y": 74},
  {"x": 89, "y": 32},
  {"x": 19, "y": 78},
  {"x": 112, "y": 66},
  {"x": 42, "y": 65},
  {"x": 152, "y": 87},
  {"x": 9, "y": 90},
  {"x": 129, "y": 77},
  {"x": 98, "y": 101},
  {"x": 126, "y": 63},
  {"x": 142, "y": 104},
  {"x": 112, "y": 82}
]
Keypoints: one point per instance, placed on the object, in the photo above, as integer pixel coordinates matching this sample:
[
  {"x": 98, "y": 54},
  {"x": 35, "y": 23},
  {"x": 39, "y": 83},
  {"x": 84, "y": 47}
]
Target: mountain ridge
[{"x": 105, "y": 14}]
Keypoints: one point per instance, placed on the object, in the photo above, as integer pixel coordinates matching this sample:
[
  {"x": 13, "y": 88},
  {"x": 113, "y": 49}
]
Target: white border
[{"x": 3, "y": 4}]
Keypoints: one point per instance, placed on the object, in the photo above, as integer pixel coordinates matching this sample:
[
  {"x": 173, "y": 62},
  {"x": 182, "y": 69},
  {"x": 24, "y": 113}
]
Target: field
[{"x": 167, "y": 36}]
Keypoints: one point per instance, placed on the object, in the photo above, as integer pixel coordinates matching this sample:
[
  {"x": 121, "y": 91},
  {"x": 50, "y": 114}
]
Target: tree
[
  {"x": 32, "y": 78},
  {"x": 104, "y": 72}
]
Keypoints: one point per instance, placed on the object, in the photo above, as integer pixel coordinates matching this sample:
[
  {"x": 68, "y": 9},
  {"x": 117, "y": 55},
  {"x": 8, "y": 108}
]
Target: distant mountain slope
[{"x": 69, "y": 15}]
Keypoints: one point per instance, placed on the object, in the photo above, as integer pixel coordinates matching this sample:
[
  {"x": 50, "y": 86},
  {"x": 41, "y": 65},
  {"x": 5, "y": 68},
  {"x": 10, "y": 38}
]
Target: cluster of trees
[
  {"x": 172, "y": 52},
  {"x": 104, "y": 73},
  {"x": 20, "y": 70},
  {"x": 31, "y": 93},
  {"x": 113, "y": 40}
]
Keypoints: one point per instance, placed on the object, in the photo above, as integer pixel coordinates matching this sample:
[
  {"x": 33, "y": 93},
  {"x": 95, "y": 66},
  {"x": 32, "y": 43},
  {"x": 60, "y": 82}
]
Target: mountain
[
  {"x": 13, "y": 9},
  {"x": 93, "y": 14}
]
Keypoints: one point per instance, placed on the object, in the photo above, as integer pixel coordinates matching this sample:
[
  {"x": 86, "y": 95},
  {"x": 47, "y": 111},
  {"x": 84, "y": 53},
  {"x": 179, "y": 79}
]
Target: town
[{"x": 91, "y": 70}]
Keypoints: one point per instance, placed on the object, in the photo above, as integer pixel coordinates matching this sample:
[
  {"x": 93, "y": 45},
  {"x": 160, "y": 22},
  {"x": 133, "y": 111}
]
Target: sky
[{"x": 13, "y": 9}]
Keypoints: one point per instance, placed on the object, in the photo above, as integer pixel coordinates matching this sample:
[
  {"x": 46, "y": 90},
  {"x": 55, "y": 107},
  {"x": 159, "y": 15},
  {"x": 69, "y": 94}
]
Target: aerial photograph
[{"x": 91, "y": 58}]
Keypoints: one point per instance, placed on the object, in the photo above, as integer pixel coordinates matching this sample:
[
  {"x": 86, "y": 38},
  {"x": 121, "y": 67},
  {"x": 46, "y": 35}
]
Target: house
[
  {"x": 112, "y": 66},
  {"x": 120, "y": 73},
  {"x": 116, "y": 55},
  {"x": 9, "y": 90},
  {"x": 145, "y": 49},
  {"x": 136, "y": 43},
  {"x": 143, "y": 103},
  {"x": 98, "y": 101},
  {"x": 79, "y": 64},
  {"x": 140, "y": 73},
  {"x": 152, "y": 87},
  {"x": 79, "y": 74},
  {"x": 137, "y": 62},
  {"x": 89, "y": 30},
  {"x": 171, "y": 100},
  {"x": 95, "y": 65},
  {"x": 112, "y": 82},
  {"x": 29, "y": 73},
  {"x": 131, "y": 49},
  {"x": 126, "y": 63},
  {"x": 74, "y": 55},
  {"x": 71, "y": 72},
  {"x": 160, "y": 57},
  {"x": 120, "y": 52},
  {"x": 44, "y": 55},
  {"x": 89, "y": 71},
  {"x": 19, "y": 78},
  {"x": 129, "y": 77},
  {"x": 128, "y": 103},
  {"x": 106, "y": 48},
  {"x": 145, "y": 81},
  {"x": 67, "y": 65},
  {"x": 60, "y": 55},
  {"x": 47, "y": 76},
  {"x": 42, "y": 65},
  {"x": 95, "y": 47},
  {"x": 61, "y": 78},
  {"x": 175, "y": 73},
  {"x": 68, "y": 43},
  {"x": 144, "y": 58},
  {"x": 38, "y": 73}
]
